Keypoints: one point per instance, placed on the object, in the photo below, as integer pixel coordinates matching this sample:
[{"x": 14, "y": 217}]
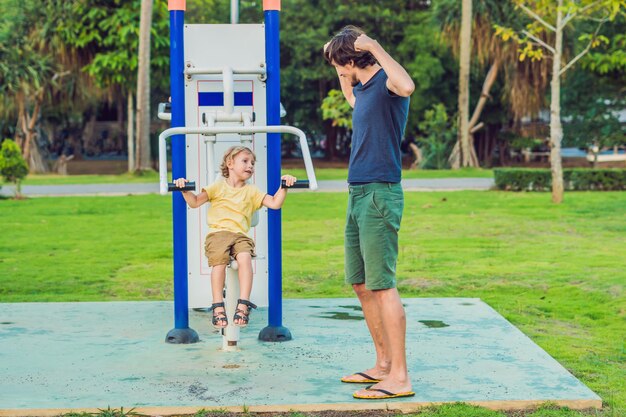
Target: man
[{"x": 378, "y": 89}]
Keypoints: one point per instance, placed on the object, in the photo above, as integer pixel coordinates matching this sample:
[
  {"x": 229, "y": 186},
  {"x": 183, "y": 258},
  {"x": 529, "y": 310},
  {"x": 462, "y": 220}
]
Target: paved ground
[
  {"x": 93, "y": 355},
  {"x": 440, "y": 184}
]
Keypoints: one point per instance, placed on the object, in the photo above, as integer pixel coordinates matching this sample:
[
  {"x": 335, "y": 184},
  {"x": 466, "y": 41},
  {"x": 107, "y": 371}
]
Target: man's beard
[{"x": 354, "y": 81}]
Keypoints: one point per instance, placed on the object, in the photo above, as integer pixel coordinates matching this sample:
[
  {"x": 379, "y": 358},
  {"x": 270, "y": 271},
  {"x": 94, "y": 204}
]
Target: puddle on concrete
[
  {"x": 434, "y": 324},
  {"x": 340, "y": 316},
  {"x": 355, "y": 308},
  {"x": 131, "y": 378}
]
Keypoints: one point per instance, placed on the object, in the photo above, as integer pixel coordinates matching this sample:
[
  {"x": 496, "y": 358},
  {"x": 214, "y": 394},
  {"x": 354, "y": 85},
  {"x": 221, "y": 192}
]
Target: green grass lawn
[
  {"x": 555, "y": 272},
  {"x": 321, "y": 174}
]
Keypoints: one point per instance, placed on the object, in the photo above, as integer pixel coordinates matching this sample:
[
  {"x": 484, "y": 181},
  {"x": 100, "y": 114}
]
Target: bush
[
  {"x": 576, "y": 179},
  {"x": 13, "y": 167},
  {"x": 440, "y": 135}
]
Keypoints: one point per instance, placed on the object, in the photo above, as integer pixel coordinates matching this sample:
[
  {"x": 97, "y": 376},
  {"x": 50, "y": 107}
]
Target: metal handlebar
[
  {"x": 304, "y": 146},
  {"x": 297, "y": 184},
  {"x": 190, "y": 186},
  {"x": 165, "y": 111}
]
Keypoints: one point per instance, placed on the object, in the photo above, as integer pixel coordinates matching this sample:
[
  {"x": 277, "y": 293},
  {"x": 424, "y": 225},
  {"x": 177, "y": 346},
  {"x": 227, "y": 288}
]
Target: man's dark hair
[{"x": 340, "y": 49}]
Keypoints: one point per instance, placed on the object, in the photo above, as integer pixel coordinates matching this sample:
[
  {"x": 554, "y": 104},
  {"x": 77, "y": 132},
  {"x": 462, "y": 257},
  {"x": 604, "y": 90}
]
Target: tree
[
  {"x": 27, "y": 71},
  {"x": 438, "y": 137},
  {"x": 523, "y": 83},
  {"x": 143, "y": 87},
  {"x": 336, "y": 108},
  {"x": 551, "y": 18},
  {"x": 465, "y": 40},
  {"x": 406, "y": 30},
  {"x": 110, "y": 28},
  {"x": 592, "y": 114},
  {"x": 13, "y": 167}
]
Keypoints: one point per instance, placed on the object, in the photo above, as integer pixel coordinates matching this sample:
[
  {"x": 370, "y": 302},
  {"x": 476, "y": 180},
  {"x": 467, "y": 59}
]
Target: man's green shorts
[{"x": 371, "y": 238}]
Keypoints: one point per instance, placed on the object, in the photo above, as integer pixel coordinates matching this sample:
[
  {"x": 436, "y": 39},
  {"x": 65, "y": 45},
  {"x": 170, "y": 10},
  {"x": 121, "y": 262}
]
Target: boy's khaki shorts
[
  {"x": 371, "y": 237},
  {"x": 220, "y": 246}
]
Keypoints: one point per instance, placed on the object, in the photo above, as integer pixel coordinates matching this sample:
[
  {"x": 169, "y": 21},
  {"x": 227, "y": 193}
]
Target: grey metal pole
[{"x": 234, "y": 11}]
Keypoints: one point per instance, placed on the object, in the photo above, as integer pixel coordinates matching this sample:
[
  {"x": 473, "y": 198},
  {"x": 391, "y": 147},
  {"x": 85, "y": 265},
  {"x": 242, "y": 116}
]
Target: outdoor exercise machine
[{"x": 225, "y": 90}]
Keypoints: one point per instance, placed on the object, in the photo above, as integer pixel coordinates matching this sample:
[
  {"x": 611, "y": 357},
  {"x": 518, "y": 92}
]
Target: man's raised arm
[{"x": 398, "y": 81}]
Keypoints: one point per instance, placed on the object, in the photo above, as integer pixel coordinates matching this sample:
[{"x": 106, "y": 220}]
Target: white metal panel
[{"x": 216, "y": 46}]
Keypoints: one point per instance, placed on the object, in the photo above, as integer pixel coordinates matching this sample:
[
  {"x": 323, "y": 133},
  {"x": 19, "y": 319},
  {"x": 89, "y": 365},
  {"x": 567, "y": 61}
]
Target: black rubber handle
[
  {"x": 298, "y": 184},
  {"x": 190, "y": 186}
]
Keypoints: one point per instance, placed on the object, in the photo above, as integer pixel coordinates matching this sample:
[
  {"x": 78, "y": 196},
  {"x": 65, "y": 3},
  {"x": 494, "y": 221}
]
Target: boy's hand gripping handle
[
  {"x": 297, "y": 184},
  {"x": 190, "y": 186}
]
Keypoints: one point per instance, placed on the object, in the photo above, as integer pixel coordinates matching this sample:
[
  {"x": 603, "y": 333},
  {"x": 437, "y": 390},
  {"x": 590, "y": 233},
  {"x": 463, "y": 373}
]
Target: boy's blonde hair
[{"x": 230, "y": 154}]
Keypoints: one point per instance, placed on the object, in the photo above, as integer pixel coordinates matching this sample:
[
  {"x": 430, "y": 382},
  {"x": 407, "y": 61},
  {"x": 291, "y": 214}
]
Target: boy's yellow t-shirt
[{"x": 232, "y": 208}]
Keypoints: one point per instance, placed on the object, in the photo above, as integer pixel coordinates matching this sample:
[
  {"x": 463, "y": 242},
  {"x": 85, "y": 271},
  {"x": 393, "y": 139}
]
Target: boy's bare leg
[
  {"x": 244, "y": 259},
  {"x": 218, "y": 276},
  {"x": 389, "y": 306},
  {"x": 373, "y": 318}
]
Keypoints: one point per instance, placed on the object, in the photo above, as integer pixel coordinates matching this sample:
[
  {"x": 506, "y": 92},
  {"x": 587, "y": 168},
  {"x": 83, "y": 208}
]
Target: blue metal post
[
  {"x": 274, "y": 332},
  {"x": 181, "y": 332}
]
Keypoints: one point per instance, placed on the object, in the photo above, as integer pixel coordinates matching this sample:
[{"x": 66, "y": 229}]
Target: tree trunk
[
  {"x": 331, "y": 140},
  {"x": 61, "y": 165},
  {"x": 464, "y": 74},
  {"x": 27, "y": 123},
  {"x": 20, "y": 135},
  {"x": 490, "y": 79},
  {"x": 130, "y": 133},
  {"x": 417, "y": 153},
  {"x": 455, "y": 156},
  {"x": 36, "y": 162},
  {"x": 143, "y": 87},
  {"x": 556, "y": 130},
  {"x": 119, "y": 140},
  {"x": 89, "y": 133}
]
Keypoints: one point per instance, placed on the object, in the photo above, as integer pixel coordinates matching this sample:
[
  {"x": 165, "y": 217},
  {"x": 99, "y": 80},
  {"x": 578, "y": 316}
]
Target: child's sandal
[
  {"x": 220, "y": 320},
  {"x": 243, "y": 315}
]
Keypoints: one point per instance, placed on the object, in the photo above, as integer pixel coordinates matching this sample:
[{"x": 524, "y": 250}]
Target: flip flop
[
  {"x": 388, "y": 394},
  {"x": 368, "y": 379}
]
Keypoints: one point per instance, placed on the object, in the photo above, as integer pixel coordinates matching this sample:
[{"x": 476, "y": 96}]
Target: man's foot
[
  {"x": 385, "y": 389},
  {"x": 370, "y": 376}
]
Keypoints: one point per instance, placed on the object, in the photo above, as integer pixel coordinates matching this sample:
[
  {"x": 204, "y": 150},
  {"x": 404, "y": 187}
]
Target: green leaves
[
  {"x": 438, "y": 139},
  {"x": 505, "y": 33},
  {"x": 13, "y": 167},
  {"x": 335, "y": 107},
  {"x": 111, "y": 33}
]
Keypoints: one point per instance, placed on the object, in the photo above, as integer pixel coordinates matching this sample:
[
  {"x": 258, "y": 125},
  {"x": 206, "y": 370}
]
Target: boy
[{"x": 233, "y": 202}]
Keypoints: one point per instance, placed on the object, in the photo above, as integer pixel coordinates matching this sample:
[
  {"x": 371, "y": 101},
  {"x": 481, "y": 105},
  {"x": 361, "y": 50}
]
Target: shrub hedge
[{"x": 574, "y": 179}]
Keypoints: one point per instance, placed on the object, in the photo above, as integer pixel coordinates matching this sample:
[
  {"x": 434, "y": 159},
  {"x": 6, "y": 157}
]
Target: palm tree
[
  {"x": 143, "y": 88},
  {"x": 465, "y": 41},
  {"x": 525, "y": 82},
  {"x": 40, "y": 71}
]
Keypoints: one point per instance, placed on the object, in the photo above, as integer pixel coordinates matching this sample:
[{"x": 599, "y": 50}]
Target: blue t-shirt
[{"x": 378, "y": 123}]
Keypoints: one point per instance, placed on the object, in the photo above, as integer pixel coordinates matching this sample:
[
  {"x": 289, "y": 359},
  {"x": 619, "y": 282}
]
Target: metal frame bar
[
  {"x": 236, "y": 71},
  {"x": 179, "y": 131}
]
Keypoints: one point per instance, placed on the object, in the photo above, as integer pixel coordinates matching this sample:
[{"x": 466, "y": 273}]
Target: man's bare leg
[
  {"x": 389, "y": 306},
  {"x": 373, "y": 318}
]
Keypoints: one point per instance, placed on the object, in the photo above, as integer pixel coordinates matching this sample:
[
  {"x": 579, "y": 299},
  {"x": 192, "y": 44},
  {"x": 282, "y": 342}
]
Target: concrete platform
[{"x": 82, "y": 356}]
